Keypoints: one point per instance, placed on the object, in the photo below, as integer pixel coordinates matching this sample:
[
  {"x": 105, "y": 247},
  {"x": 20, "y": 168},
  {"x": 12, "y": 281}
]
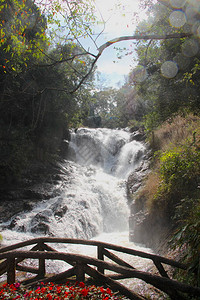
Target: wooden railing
[{"x": 81, "y": 265}]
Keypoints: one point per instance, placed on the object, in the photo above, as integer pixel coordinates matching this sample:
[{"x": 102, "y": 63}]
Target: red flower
[
  {"x": 43, "y": 290},
  {"x": 82, "y": 284},
  {"x": 5, "y": 285},
  {"x": 106, "y": 298},
  {"x": 108, "y": 291},
  {"x": 84, "y": 292}
]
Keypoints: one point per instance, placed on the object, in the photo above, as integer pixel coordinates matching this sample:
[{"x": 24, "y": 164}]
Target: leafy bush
[
  {"x": 179, "y": 171},
  {"x": 180, "y": 168},
  {"x": 177, "y": 199},
  {"x": 187, "y": 236}
]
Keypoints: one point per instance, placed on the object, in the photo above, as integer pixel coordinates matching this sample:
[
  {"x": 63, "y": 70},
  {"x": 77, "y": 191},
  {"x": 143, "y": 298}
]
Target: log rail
[{"x": 81, "y": 265}]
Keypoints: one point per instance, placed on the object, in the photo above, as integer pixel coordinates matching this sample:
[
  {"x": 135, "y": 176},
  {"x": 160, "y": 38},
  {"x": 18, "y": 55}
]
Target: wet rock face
[
  {"x": 39, "y": 223},
  {"x": 138, "y": 136},
  {"x": 147, "y": 229},
  {"x": 60, "y": 210},
  {"x": 9, "y": 208},
  {"x": 135, "y": 180},
  {"x": 143, "y": 228},
  {"x": 44, "y": 182}
]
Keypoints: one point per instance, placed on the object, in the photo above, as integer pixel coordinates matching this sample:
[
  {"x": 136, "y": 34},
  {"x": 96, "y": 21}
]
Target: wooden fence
[{"x": 95, "y": 268}]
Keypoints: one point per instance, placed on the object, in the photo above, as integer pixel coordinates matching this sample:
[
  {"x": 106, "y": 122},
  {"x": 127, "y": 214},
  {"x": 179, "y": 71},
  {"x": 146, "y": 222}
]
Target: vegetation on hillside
[
  {"x": 162, "y": 95},
  {"x": 36, "y": 83},
  {"x": 171, "y": 190}
]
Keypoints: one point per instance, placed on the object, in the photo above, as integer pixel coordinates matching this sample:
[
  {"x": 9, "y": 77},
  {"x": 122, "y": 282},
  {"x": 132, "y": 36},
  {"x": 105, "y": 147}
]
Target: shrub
[
  {"x": 179, "y": 177},
  {"x": 187, "y": 236},
  {"x": 180, "y": 168}
]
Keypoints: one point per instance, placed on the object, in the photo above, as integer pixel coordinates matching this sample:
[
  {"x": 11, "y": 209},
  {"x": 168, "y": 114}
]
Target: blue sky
[{"x": 118, "y": 16}]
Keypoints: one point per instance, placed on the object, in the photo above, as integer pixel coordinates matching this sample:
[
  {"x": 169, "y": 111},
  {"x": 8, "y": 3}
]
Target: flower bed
[{"x": 51, "y": 291}]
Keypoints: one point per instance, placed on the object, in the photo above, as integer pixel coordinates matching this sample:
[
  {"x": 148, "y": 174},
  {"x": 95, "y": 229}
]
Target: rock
[
  {"x": 60, "y": 211},
  {"x": 13, "y": 223},
  {"x": 39, "y": 224},
  {"x": 9, "y": 208},
  {"x": 147, "y": 229},
  {"x": 40, "y": 227},
  {"x": 138, "y": 136},
  {"x": 134, "y": 128},
  {"x": 135, "y": 179},
  {"x": 84, "y": 204}
]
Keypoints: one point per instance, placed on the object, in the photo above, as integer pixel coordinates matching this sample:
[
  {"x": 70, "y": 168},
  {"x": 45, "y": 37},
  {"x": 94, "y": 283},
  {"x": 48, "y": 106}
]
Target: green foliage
[
  {"x": 179, "y": 170},
  {"x": 187, "y": 237},
  {"x": 159, "y": 96},
  {"x": 171, "y": 191},
  {"x": 22, "y": 34},
  {"x": 36, "y": 103},
  {"x": 151, "y": 121},
  {"x": 105, "y": 105}
]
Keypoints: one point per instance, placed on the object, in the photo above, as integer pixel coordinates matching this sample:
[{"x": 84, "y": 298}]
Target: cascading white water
[{"x": 92, "y": 200}]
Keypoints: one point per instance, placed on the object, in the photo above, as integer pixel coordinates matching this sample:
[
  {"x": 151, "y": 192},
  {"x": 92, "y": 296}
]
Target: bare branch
[
  {"x": 120, "y": 39},
  {"x": 88, "y": 73},
  {"x": 143, "y": 37}
]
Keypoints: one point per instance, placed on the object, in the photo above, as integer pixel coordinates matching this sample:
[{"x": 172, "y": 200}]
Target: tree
[
  {"x": 35, "y": 108},
  {"x": 159, "y": 79}
]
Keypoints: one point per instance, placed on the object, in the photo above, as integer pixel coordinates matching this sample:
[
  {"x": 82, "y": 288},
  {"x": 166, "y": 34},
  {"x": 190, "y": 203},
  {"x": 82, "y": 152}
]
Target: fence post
[
  {"x": 11, "y": 270},
  {"x": 101, "y": 257},
  {"x": 41, "y": 270},
  {"x": 80, "y": 271}
]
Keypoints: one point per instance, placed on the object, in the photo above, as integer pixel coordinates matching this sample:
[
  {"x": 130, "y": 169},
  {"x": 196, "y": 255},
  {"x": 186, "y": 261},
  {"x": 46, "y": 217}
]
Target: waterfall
[{"x": 92, "y": 199}]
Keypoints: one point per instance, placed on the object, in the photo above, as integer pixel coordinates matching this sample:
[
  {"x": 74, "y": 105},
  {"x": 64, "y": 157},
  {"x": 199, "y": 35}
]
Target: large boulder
[{"x": 148, "y": 229}]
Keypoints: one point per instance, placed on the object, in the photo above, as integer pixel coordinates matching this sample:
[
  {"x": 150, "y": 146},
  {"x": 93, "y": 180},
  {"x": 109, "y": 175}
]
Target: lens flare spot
[
  {"x": 190, "y": 48},
  {"x": 177, "y": 18},
  {"x": 191, "y": 14},
  {"x": 177, "y": 3},
  {"x": 196, "y": 28},
  {"x": 195, "y": 4},
  {"x": 198, "y": 31},
  {"x": 182, "y": 61},
  {"x": 169, "y": 69},
  {"x": 139, "y": 74}
]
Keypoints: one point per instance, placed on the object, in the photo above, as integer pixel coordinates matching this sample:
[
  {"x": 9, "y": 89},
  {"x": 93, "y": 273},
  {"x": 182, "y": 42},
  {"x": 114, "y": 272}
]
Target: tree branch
[
  {"x": 143, "y": 37},
  {"x": 120, "y": 39}
]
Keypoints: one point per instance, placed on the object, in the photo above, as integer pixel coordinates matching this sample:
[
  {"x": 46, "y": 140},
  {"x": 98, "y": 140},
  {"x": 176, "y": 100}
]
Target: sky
[
  {"x": 118, "y": 16},
  {"x": 119, "y": 22}
]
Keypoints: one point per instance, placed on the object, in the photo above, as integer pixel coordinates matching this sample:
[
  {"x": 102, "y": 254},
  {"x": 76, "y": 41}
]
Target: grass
[{"x": 174, "y": 131}]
